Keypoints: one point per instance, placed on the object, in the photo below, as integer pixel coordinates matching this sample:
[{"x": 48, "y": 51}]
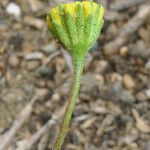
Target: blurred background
[{"x": 113, "y": 108}]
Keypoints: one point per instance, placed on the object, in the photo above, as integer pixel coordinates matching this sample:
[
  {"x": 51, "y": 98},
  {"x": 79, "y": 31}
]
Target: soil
[{"x": 113, "y": 108}]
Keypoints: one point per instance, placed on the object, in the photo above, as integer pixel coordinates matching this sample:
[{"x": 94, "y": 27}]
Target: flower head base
[{"x": 76, "y": 25}]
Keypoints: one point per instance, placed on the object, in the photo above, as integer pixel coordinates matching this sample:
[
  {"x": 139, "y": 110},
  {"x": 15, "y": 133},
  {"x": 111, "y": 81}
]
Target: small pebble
[
  {"x": 50, "y": 84},
  {"x": 50, "y": 48},
  {"x": 91, "y": 85},
  {"x": 147, "y": 66},
  {"x": 55, "y": 97},
  {"x": 128, "y": 81},
  {"x": 112, "y": 30},
  {"x": 14, "y": 9},
  {"x": 13, "y": 61},
  {"x": 2, "y": 50},
  {"x": 100, "y": 79},
  {"x": 141, "y": 96},
  {"x": 147, "y": 92},
  {"x": 45, "y": 72},
  {"x": 114, "y": 92},
  {"x": 41, "y": 83},
  {"x": 116, "y": 77},
  {"x": 127, "y": 97},
  {"x": 34, "y": 22},
  {"x": 100, "y": 66},
  {"x": 42, "y": 93},
  {"x": 123, "y": 51},
  {"x": 32, "y": 65},
  {"x": 16, "y": 40}
]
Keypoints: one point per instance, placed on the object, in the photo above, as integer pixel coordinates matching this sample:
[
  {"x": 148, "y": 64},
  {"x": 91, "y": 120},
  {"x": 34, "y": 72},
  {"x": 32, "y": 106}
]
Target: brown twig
[
  {"x": 120, "y": 5},
  {"x": 128, "y": 30},
  {"x": 37, "y": 135},
  {"x": 7, "y": 138},
  {"x": 50, "y": 57},
  {"x": 56, "y": 117},
  {"x": 43, "y": 141}
]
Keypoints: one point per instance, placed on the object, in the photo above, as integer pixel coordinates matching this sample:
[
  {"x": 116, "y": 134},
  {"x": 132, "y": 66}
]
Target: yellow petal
[
  {"x": 87, "y": 8},
  {"x": 70, "y": 8},
  {"x": 55, "y": 15},
  {"x": 101, "y": 13}
]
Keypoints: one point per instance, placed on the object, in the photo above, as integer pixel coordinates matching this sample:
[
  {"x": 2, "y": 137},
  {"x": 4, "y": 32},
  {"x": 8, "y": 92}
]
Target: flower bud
[{"x": 76, "y": 25}]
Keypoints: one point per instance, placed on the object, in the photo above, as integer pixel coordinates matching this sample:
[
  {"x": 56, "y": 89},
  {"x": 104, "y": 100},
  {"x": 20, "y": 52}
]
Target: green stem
[{"x": 78, "y": 63}]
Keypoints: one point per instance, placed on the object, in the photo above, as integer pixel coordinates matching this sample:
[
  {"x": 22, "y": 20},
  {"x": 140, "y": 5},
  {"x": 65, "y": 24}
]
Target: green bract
[{"x": 76, "y": 25}]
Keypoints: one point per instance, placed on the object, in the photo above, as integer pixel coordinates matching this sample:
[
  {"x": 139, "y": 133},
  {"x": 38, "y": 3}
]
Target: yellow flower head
[{"x": 76, "y": 25}]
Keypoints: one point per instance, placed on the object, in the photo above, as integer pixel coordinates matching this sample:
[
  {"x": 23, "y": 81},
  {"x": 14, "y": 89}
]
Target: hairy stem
[{"x": 78, "y": 64}]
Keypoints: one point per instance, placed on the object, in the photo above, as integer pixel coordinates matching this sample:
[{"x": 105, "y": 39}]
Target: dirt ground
[{"x": 113, "y": 108}]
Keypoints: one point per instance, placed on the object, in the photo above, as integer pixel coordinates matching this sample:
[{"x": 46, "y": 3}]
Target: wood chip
[
  {"x": 88, "y": 122},
  {"x": 128, "y": 81},
  {"x": 34, "y": 56},
  {"x": 141, "y": 124},
  {"x": 34, "y": 22},
  {"x": 35, "y": 5}
]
